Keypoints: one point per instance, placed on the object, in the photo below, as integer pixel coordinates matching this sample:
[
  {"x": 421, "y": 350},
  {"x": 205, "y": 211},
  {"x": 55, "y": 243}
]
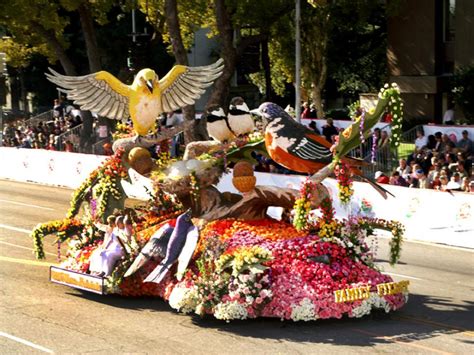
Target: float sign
[{"x": 76, "y": 280}]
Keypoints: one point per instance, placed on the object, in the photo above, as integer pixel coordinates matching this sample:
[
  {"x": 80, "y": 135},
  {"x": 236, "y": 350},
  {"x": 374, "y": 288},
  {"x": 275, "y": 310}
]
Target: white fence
[{"x": 428, "y": 215}]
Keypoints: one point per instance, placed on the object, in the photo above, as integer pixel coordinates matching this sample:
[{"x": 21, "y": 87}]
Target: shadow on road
[{"x": 424, "y": 317}]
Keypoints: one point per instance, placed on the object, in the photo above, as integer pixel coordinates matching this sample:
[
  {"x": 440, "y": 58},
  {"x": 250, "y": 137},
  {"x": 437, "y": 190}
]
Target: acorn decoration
[
  {"x": 140, "y": 160},
  {"x": 244, "y": 179}
]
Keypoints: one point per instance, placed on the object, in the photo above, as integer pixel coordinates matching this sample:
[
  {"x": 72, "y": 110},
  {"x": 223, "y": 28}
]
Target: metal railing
[
  {"x": 98, "y": 147},
  {"x": 42, "y": 117},
  {"x": 72, "y": 135}
]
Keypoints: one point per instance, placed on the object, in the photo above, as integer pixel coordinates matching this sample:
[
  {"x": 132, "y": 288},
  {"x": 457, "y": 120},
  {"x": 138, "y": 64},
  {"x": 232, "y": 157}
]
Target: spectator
[
  {"x": 439, "y": 143},
  {"x": 448, "y": 144},
  {"x": 471, "y": 187},
  {"x": 68, "y": 146},
  {"x": 58, "y": 109},
  {"x": 384, "y": 140},
  {"x": 444, "y": 182},
  {"x": 305, "y": 112},
  {"x": 465, "y": 184},
  {"x": 107, "y": 149},
  {"x": 465, "y": 145},
  {"x": 403, "y": 168},
  {"x": 397, "y": 180},
  {"x": 329, "y": 130},
  {"x": 448, "y": 117},
  {"x": 314, "y": 127},
  {"x": 313, "y": 113},
  {"x": 381, "y": 178},
  {"x": 451, "y": 162},
  {"x": 436, "y": 182},
  {"x": 466, "y": 162},
  {"x": 421, "y": 141},
  {"x": 454, "y": 183},
  {"x": 431, "y": 142},
  {"x": 422, "y": 179},
  {"x": 461, "y": 170}
]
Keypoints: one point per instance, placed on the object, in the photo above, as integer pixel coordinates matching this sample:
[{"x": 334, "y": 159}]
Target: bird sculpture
[
  {"x": 186, "y": 254},
  {"x": 239, "y": 118},
  {"x": 175, "y": 246},
  {"x": 217, "y": 124},
  {"x": 155, "y": 248},
  {"x": 297, "y": 148},
  {"x": 145, "y": 99}
]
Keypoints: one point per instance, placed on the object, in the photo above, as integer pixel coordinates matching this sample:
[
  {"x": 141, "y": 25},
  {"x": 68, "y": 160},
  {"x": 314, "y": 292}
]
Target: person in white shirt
[
  {"x": 420, "y": 140},
  {"x": 448, "y": 117}
]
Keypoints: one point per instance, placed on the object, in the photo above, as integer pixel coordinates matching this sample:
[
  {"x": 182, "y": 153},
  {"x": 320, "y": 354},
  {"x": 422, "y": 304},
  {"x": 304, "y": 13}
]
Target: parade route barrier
[
  {"x": 47, "y": 167},
  {"x": 428, "y": 215}
]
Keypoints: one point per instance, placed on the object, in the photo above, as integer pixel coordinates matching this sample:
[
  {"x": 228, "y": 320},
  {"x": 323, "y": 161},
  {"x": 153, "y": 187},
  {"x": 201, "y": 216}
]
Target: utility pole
[{"x": 298, "y": 62}]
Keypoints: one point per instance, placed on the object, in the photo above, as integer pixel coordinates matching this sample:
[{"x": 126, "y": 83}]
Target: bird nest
[{"x": 184, "y": 185}]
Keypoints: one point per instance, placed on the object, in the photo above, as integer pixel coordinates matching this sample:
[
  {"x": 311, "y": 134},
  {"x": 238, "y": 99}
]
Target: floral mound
[{"x": 267, "y": 268}]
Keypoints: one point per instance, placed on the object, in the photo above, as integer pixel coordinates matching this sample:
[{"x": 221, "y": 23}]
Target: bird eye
[{"x": 264, "y": 110}]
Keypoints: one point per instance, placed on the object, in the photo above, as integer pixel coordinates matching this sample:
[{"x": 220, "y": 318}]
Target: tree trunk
[
  {"x": 220, "y": 91},
  {"x": 87, "y": 24},
  {"x": 316, "y": 97},
  {"x": 189, "y": 112},
  {"x": 57, "y": 47},
  {"x": 266, "y": 69}
]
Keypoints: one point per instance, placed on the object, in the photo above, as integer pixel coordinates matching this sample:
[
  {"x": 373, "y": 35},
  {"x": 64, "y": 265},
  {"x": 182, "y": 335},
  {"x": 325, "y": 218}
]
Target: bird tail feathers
[
  {"x": 382, "y": 191},
  {"x": 158, "y": 274},
  {"x": 137, "y": 264}
]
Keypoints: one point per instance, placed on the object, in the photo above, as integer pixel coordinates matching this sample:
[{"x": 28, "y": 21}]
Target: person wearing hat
[{"x": 381, "y": 178}]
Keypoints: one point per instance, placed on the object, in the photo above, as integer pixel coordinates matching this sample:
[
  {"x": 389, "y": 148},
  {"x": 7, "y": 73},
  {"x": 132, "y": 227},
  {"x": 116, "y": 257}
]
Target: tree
[
  {"x": 41, "y": 29},
  {"x": 194, "y": 129}
]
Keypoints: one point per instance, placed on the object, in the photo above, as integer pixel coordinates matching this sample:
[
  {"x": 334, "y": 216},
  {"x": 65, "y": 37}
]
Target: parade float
[{"x": 214, "y": 252}]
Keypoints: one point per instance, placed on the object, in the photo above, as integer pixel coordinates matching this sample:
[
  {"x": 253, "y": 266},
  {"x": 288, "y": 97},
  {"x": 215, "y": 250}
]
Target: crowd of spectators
[
  {"x": 437, "y": 163},
  {"x": 43, "y": 134}
]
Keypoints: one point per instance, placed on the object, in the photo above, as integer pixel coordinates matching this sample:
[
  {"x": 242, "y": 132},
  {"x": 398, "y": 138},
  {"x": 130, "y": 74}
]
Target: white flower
[
  {"x": 303, "y": 311},
  {"x": 230, "y": 310},
  {"x": 386, "y": 86},
  {"x": 183, "y": 299}
]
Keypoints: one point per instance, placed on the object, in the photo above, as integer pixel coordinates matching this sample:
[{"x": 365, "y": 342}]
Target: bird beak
[
  {"x": 149, "y": 84},
  {"x": 256, "y": 112}
]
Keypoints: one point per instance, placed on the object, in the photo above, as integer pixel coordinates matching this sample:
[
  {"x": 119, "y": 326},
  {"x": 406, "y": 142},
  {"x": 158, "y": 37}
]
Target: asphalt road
[{"x": 38, "y": 316}]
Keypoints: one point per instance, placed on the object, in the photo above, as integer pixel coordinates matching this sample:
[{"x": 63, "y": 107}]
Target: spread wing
[
  {"x": 313, "y": 148},
  {"x": 183, "y": 85},
  {"x": 99, "y": 92}
]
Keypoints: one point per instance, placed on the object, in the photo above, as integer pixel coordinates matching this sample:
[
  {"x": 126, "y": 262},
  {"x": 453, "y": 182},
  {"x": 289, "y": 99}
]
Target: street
[{"x": 38, "y": 316}]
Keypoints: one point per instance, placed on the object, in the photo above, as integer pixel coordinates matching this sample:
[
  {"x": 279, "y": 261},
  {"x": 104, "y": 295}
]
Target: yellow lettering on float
[{"x": 363, "y": 292}]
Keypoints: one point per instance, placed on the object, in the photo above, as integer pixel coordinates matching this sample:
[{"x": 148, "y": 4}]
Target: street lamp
[{"x": 298, "y": 62}]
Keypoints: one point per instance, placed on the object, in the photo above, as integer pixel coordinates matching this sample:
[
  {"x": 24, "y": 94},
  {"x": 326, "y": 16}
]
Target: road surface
[{"x": 38, "y": 316}]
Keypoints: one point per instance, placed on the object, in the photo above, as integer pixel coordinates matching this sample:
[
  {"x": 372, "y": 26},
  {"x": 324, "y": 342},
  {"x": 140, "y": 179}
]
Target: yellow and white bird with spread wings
[{"x": 145, "y": 99}]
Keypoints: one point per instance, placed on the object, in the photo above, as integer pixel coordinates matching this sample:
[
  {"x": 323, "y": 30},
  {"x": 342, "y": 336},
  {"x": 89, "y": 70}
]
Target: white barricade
[{"x": 46, "y": 166}]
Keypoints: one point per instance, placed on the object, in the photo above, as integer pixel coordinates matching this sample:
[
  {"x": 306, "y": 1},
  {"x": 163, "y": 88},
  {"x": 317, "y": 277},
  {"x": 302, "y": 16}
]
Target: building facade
[{"x": 427, "y": 41}]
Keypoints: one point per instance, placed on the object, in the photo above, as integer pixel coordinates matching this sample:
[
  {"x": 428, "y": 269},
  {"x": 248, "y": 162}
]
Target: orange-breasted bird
[{"x": 297, "y": 148}]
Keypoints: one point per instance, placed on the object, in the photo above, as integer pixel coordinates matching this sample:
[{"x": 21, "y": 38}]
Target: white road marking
[
  {"x": 404, "y": 276},
  {"x": 431, "y": 244},
  {"x": 26, "y": 342},
  {"x": 27, "y": 204},
  {"x": 16, "y": 229},
  {"x": 22, "y": 247}
]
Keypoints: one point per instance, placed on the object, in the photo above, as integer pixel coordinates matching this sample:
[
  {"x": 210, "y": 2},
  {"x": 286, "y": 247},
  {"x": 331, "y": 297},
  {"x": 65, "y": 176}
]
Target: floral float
[{"x": 304, "y": 267}]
